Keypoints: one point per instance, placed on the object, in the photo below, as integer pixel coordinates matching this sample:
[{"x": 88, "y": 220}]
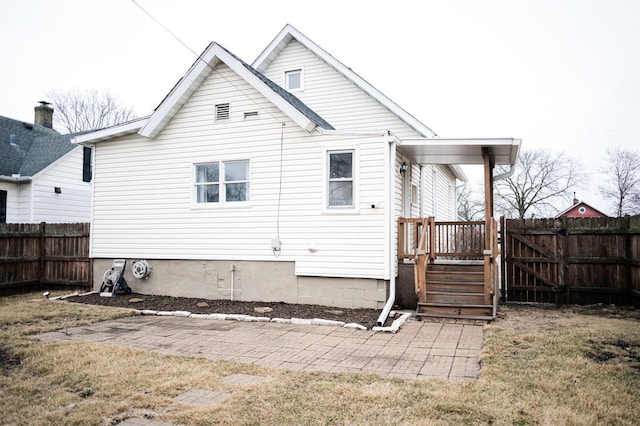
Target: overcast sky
[{"x": 561, "y": 75}]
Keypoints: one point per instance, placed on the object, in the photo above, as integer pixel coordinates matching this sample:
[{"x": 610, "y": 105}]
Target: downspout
[
  {"x": 389, "y": 205},
  {"x": 421, "y": 192}
]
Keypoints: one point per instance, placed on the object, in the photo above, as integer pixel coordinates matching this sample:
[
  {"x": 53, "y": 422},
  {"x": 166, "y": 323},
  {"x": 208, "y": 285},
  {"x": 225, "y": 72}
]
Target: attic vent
[
  {"x": 252, "y": 115},
  {"x": 222, "y": 112}
]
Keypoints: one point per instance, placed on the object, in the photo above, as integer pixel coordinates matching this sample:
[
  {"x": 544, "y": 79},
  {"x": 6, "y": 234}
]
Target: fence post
[
  {"x": 628, "y": 254},
  {"x": 42, "y": 254}
]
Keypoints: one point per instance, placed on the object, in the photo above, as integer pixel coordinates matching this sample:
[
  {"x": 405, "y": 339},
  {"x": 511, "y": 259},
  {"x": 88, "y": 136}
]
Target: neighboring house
[
  {"x": 43, "y": 176},
  {"x": 279, "y": 181},
  {"x": 580, "y": 209}
]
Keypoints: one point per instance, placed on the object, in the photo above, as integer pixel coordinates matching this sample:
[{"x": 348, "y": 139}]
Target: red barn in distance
[{"x": 580, "y": 209}]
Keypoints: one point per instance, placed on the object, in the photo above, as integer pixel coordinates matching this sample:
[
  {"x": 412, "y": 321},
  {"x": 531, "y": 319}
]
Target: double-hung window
[
  {"x": 340, "y": 180},
  {"x": 222, "y": 182}
]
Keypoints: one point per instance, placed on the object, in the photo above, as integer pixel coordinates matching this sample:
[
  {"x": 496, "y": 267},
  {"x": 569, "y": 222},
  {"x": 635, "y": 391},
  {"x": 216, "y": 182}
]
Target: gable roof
[
  {"x": 577, "y": 206},
  {"x": 213, "y": 55},
  {"x": 34, "y": 147},
  {"x": 288, "y": 33}
]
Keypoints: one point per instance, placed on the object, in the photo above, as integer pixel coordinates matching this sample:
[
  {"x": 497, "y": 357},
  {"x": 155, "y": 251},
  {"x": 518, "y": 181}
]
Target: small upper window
[
  {"x": 222, "y": 112},
  {"x": 582, "y": 210},
  {"x": 293, "y": 79}
]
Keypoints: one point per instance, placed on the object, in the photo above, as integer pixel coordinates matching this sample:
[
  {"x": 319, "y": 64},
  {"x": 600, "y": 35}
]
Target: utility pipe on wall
[{"x": 232, "y": 268}]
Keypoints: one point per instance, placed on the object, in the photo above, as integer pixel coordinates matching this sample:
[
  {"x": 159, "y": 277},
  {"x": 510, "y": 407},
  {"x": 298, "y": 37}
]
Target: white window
[
  {"x": 222, "y": 182},
  {"x": 340, "y": 180},
  {"x": 222, "y": 112},
  {"x": 293, "y": 79}
]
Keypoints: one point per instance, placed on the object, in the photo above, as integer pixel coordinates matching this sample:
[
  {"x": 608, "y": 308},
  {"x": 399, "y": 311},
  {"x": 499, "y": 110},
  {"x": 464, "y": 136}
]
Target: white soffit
[{"x": 461, "y": 151}]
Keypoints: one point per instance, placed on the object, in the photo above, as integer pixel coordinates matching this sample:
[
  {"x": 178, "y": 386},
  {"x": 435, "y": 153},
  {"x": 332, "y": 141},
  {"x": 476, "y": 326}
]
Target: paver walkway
[{"x": 419, "y": 350}]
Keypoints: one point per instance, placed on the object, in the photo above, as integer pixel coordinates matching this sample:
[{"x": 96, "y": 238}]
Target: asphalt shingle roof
[{"x": 31, "y": 149}]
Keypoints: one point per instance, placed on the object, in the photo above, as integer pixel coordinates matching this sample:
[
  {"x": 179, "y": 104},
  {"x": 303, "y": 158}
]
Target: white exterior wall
[
  {"x": 347, "y": 107},
  {"x": 12, "y": 201},
  {"x": 331, "y": 95},
  {"x": 446, "y": 184},
  {"x": 73, "y": 204},
  {"x": 143, "y": 206}
]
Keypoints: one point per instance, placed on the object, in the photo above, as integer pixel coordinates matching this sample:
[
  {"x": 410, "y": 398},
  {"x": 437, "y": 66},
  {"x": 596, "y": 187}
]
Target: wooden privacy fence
[
  {"x": 572, "y": 260},
  {"x": 44, "y": 256}
]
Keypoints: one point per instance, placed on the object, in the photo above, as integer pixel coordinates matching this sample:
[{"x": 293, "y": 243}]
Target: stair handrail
[{"x": 422, "y": 259}]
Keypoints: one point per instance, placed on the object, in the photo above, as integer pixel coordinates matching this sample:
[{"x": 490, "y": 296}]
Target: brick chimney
[{"x": 44, "y": 115}]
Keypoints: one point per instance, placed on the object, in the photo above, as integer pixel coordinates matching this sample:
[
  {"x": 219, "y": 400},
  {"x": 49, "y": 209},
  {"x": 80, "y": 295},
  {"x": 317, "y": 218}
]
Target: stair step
[
  {"x": 457, "y": 310},
  {"x": 454, "y": 297},
  {"x": 454, "y": 284},
  {"x": 454, "y": 305},
  {"x": 455, "y": 267},
  {"x": 456, "y": 276},
  {"x": 455, "y": 316}
]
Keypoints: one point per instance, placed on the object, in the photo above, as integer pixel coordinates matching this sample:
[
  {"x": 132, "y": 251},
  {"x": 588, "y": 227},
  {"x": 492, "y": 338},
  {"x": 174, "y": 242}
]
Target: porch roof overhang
[{"x": 461, "y": 151}]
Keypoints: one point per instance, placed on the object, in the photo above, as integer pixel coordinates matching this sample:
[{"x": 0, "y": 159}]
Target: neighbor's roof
[
  {"x": 289, "y": 32},
  {"x": 578, "y": 205},
  {"x": 34, "y": 147}
]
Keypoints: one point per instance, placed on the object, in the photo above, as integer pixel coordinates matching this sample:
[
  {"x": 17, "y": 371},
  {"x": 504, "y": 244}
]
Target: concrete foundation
[{"x": 249, "y": 281}]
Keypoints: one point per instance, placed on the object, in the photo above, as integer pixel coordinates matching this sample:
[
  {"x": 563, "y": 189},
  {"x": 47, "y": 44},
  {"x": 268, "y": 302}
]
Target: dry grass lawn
[{"x": 548, "y": 366}]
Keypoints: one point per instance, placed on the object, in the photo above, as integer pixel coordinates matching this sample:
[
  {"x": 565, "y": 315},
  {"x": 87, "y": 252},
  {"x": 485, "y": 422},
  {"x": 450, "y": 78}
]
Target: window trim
[
  {"x": 353, "y": 208},
  {"x": 286, "y": 80},
  {"x": 222, "y": 183}
]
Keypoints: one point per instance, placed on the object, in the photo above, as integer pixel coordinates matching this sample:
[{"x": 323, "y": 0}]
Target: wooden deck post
[{"x": 488, "y": 221}]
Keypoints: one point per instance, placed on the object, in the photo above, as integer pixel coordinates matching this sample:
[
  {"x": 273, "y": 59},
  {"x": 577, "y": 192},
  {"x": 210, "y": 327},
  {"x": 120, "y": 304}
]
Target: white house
[
  {"x": 277, "y": 181},
  {"x": 43, "y": 176}
]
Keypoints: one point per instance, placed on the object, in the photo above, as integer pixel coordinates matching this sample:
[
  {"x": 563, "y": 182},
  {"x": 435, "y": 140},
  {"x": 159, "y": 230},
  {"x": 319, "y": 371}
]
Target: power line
[
  {"x": 200, "y": 58},
  {"x": 167, "y": 30}
]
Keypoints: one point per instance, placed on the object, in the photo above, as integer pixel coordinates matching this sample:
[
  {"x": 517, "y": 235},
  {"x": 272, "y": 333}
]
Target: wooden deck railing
[{"x": 451, "y": 240}]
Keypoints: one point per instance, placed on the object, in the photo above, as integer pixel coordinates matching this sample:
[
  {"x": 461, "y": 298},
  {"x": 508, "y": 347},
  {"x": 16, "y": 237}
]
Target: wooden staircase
[{"x": 455, "y": 290}]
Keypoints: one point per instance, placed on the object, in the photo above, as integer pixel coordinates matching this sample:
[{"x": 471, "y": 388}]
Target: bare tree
[
  {"x": 470, "y": 208},
  {"x": 541, "y": 180},
  {"x": 621, "y": 186},
  {"x": 78, "y": 111}
]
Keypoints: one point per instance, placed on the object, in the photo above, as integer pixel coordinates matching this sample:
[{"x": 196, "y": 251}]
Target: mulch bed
[{"x": 365, "y": 317}]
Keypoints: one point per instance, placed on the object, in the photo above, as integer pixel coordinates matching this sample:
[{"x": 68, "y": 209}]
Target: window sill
[
  {"x": 208, "y": 206},
  {"x": 340, "y": 211}
]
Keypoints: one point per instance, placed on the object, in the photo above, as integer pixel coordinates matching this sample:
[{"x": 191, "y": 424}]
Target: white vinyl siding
[
  {"x": 333, "y": 97},
  {"x": 143, "y": 190},
  {"x": 445, "y": 193}
]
